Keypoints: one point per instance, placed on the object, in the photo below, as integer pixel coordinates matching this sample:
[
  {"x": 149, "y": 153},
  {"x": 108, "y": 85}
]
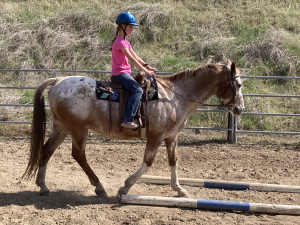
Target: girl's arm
[
  {"x": 139, "y": 59},
  {"x": 137, "y": 62}
]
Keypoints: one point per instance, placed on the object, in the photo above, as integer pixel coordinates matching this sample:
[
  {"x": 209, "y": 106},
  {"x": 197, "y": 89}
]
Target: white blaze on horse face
[
  {"x": 239, "y": 94},
  {"x": 238, "y": 102}
]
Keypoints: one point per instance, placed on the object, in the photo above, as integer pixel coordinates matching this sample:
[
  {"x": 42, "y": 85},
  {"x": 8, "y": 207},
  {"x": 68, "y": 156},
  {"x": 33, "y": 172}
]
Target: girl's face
[{"x": 129, "y": 29}]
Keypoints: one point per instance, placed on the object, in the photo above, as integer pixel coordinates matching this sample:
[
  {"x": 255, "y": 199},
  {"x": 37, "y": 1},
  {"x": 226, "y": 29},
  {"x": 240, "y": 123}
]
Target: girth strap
[{"x": 110, "y": 119}]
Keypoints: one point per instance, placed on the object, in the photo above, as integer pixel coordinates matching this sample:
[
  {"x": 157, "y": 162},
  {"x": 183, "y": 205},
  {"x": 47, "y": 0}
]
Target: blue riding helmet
[{"x": 127, "y": 18}]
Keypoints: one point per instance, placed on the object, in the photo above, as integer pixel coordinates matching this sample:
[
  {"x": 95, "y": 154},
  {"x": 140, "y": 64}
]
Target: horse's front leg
[
  {"x": 150, "y": 152},
  {"x": 171, "y": 145}
]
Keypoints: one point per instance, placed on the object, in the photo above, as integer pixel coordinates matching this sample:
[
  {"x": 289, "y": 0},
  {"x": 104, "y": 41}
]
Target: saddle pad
[{"x": 102, "y": 92}]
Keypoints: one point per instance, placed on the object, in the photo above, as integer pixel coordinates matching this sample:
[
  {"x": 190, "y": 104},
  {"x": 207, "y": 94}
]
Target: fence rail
[{"x": 232, "y": 120}]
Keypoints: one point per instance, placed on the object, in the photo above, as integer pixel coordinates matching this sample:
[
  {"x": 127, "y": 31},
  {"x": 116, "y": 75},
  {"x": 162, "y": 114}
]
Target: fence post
[
  {"x": 234, "y": 139},
  {"x": 229, "y": 132},
  {"x": 232, "y": 125}
]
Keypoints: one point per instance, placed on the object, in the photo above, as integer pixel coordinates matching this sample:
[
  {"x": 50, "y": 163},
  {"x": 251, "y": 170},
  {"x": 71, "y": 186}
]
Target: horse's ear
[
  {"x": 233, "y": 68},
  {"x": 228, "y": 63}
]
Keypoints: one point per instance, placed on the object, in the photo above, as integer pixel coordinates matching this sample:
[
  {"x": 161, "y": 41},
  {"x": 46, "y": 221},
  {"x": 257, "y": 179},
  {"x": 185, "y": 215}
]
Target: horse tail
[{"x": 38, "y": 129}]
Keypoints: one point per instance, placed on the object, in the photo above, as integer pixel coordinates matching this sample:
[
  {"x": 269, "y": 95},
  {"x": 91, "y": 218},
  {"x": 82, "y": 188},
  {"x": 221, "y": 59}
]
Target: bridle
[{"x": 230, "y": 80}]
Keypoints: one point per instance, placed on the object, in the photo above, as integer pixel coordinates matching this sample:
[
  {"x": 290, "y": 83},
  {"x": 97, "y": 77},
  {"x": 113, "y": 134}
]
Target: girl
[{"x": 121, "y": 52}]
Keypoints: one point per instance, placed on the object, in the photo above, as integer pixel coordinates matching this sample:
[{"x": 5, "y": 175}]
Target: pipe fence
[{"x": 232, "y": 120}]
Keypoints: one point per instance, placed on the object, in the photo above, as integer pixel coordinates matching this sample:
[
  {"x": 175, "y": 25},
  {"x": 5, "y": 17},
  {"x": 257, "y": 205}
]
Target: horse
[{"x": 75, "y": 109}]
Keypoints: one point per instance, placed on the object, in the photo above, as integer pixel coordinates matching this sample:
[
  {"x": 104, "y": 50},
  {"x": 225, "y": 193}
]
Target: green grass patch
[{"x": 27, "y": 97}]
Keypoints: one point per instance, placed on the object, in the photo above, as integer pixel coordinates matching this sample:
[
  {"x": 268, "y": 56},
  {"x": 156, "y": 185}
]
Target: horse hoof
[
  {"x": 122, "y": 191},
  {"x": 44, "y": 193},
  {"x": 102, "y": 194}
]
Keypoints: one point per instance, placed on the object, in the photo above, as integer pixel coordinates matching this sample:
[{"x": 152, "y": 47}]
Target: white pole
[
  {"x": 211, "y": 204},
  {"x": 223, "y": 184}
]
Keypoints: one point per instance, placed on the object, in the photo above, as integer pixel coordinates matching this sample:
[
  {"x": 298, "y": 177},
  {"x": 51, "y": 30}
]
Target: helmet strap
[{"x": 124, "y": 30}]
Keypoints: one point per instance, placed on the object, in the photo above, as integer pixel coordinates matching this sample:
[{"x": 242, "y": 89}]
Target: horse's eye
[{"x": 239, "y": 85}]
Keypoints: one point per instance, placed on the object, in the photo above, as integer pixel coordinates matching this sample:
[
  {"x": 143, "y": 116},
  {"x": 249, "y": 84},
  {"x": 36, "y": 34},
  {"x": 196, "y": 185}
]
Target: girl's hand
[
  {"x": 150, "y": 73},
  {"x": 153, "y": 69}
]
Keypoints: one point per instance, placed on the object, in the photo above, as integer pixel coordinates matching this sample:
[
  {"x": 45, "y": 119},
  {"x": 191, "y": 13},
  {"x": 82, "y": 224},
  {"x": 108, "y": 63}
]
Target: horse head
[{"x": 232, "y": 93}]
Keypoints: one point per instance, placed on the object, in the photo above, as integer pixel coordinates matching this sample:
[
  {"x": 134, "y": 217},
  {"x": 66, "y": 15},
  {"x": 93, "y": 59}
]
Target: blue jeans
[{"x": 136, "y": 93}]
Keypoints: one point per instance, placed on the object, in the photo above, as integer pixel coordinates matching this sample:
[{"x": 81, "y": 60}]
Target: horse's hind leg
[
  {"x": 78, "y": 153},
  {"x": 171, "y": 145},
  {"x": 56, "y": 138}
]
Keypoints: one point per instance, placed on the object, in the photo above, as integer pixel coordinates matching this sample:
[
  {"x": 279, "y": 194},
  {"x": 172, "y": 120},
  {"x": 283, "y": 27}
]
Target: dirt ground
[{"x": 255, "y": 158}]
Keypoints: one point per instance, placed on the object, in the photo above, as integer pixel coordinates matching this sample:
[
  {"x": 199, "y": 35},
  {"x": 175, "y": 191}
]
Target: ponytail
[
  {"x": 117, "y": 32},
  {"x": 119, "y": 28}
]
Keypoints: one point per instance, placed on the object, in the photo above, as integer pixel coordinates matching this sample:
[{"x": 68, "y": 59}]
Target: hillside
[{"x": 262, "y": 37}]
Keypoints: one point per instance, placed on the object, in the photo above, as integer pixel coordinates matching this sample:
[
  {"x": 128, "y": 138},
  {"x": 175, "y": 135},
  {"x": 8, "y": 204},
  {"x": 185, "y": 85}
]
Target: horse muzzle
[{"x": 237, "y": 110}]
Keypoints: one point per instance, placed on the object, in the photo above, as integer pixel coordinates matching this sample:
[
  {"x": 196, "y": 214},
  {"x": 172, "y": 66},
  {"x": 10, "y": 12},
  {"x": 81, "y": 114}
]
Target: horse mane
[{"x": 189, "y": 73}]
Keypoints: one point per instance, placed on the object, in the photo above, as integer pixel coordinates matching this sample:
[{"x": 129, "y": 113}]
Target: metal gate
[{"x": 232, "y": 120}]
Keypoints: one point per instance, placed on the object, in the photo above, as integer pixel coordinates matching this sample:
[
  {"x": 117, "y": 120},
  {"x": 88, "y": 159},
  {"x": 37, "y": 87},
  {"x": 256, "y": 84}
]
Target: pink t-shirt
[{"x": 119, "y": 62}]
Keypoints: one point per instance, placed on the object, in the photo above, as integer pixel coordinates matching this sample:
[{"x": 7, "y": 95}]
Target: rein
[{"x": 229, "y": 83}]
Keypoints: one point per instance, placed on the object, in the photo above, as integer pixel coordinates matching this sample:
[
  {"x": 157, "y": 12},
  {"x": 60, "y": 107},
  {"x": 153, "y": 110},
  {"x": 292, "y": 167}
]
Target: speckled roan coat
[{"x": 75, "y": 109}]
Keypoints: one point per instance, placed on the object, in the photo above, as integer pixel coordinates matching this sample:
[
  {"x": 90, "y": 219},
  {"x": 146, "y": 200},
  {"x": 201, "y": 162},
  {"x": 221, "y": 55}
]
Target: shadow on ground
[{"x": 59, "y": 199}]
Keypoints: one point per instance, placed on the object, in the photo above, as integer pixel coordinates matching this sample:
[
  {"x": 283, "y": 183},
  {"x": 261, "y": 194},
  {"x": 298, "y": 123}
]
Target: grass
[
  {"x": 262, "y": 37},
  {"x": 27, "y": 97}
]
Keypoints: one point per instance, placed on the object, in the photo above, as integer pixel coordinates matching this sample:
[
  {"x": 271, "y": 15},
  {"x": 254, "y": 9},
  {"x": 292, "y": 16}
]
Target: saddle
[{"x": 115, "y": 91}]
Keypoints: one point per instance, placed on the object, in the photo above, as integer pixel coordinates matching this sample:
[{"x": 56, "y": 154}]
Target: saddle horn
[{"x": 140, "y": 77}]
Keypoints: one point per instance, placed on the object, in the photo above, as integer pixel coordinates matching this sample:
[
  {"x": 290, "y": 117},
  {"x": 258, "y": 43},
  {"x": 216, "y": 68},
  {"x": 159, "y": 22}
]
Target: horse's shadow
[
  {"x": 194, "y": 142},
  {"x": 56, "y": 200}
]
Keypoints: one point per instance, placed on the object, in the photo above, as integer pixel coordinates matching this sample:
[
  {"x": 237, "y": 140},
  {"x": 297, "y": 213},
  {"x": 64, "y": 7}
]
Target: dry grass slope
[{"x": 262, "y": 37}]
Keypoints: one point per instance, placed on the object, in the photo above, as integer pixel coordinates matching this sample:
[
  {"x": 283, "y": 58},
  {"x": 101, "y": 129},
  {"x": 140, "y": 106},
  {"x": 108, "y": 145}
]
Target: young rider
[{"x": 121, "y": 53}]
